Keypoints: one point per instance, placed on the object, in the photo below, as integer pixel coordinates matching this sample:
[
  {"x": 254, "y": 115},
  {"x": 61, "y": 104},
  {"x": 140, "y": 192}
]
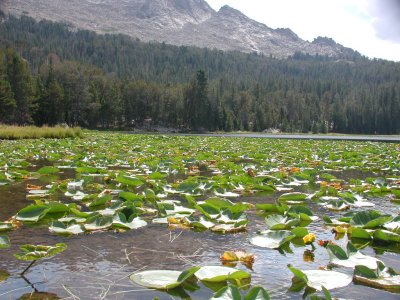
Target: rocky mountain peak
[
  {"x": 193, "y": 11},
  {"x": 324, "y": 41},
  {"x": 179, "y": 22}
]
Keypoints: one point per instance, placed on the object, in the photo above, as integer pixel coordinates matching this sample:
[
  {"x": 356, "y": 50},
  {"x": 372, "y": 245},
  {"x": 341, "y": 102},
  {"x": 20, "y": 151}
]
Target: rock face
[{"x": 178, "y": 22}]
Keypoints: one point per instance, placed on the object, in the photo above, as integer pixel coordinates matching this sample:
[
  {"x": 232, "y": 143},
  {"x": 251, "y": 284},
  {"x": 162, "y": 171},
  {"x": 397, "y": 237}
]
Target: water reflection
[{"x": 98, "y": 265}]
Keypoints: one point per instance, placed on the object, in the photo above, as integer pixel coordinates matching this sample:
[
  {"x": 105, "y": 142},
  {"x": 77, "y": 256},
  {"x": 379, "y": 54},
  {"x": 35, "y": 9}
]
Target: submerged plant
[{"x": 35, "y": 252}]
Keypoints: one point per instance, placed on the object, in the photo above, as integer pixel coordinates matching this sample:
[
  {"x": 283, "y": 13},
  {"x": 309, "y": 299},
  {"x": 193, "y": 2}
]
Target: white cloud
[{"x": 359, "y": 24}]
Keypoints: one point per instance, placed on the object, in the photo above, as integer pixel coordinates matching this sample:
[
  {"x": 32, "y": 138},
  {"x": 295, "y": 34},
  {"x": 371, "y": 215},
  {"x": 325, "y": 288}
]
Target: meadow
[{"x": 9, "y": 132}]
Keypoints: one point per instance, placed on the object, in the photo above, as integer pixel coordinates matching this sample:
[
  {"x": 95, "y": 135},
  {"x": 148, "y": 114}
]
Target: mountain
[{"x": 178, "y": 22}]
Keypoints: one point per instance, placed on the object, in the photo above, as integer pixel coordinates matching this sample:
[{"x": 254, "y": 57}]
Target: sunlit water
[{"x": 97, "y": 266}]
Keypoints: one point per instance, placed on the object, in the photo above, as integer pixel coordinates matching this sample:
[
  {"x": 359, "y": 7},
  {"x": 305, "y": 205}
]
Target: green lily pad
[
  {"x": 317, "y": 279},
  {"x": 98, "y": 223},
  {"x": 279, "y": 222},
  {"x": 5, "y": 226},
  {"x": 162, "y": 279},
  {"x": 48, "y": 170},
  {"x": 129, "y": 180},
  {"x": 32, "y": 213},
  {"x": 369, "y": 219},
  {"x": 380, "y": 277},
  {"x": 257, "y": 293},
  {"x": 386, "y": 236},
  {"x": 295, "y": 196},
  {"x": 4, "y": 275},
  {"x": 4, "y": 242},
  {"x": 35, "y": 252},
  {"x": 87, "y": 170},
  {"x": 272, "y": 239},
  {"x": 217, "y": 274},
  {"x": 61, "y": 228},
  {"x": 360, "y": 233},
  {"x": 230, "y": 292},
  {"x": 120, "y": 221},
  {"x": 350, "y": 257}
]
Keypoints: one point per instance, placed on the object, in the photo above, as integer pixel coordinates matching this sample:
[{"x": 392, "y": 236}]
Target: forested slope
[{"x": 51, "y": 74}]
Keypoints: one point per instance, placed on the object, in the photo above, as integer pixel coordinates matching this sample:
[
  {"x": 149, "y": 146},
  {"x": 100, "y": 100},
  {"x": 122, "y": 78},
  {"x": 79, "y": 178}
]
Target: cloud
[{"x": 386, "y": 19}]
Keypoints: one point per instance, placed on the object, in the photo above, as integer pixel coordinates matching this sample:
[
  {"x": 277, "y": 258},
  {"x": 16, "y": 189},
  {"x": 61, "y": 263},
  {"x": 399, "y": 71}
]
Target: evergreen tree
[{"x": 7, "y": 102}]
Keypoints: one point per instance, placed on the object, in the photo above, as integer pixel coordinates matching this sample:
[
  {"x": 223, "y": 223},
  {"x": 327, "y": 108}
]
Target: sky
[{"x": 371, "y": 27}]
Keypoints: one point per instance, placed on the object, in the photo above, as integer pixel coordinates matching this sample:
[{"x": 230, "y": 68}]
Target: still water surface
[{"x": 97, "y": 266}]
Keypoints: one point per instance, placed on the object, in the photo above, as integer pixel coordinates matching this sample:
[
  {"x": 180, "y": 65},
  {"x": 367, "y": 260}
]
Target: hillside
[{"x": 177, "y": 22}]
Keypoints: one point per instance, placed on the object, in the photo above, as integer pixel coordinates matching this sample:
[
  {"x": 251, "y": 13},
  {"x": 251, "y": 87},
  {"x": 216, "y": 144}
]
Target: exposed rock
[{"x": 178, "y": 22}]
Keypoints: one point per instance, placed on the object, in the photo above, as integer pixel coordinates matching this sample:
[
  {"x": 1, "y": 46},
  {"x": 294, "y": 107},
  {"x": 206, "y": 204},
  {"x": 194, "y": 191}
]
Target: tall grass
[{"x": 32, "y": 132}]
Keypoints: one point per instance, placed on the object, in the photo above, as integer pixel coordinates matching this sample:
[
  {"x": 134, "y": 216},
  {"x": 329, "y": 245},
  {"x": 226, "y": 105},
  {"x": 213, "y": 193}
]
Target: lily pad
[
  {"x": 48, "y": 170},
  {"x": 217, "y": 274},
  {"x": 4, "y": 275},
  {"x": 98, "y": 223},
  {"x": 350, "y": 257},
  {"x": 380, "y": 277},
  {"x": 35, "y": 252},
  {"x": 386, "y": 236},
  {"x": 120, "y": 221},
  {"x": 162, "y": 279},
  {"x": 61, "y": 228},
  {"x": 317, "y": 279},
  {"x": 369, "y": 219},
  {"x": 278, "y": 222},
  {"x": 5, "y": 226},
  {"x": 230, "y": 292},
  {"x": 272, "y": 239},
  {"x": 295, "y": 196},
  {"x": 4, "y": 242},
  {"x": 257, "y": 293}
]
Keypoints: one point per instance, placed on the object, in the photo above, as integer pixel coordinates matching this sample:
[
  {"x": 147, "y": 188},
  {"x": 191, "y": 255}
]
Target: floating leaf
[
  {"x": 234, "y": 256},
  {"x": 300, "y": 231},
  {"x": 295, "y": 196},
  {"x": 5, "y": 226},
  {"x": 386, "y": 236},
  {"x": 217, "y": 274},
  {"x": 257, "y": 293},
  {"x": 32, "y": 213},
  {"x": 39, "y": 296},
  {"x": 4, "y": 275},
  {"x": 48, "y": 170},
  {"x": 100, "y": 201},
  {"x": 129, "y": 180},
  {"x": 4, "y": 242},
  {"x": 162, "y": 279},
  {"x": 350, "y": 257},
  {"x": 120, "y": 221},
  {"x": 230, "y": 292},
  {"x": 87, "y": 170},
  {"x": 380, "y": 277},
  {"x": 272, "y": 239},
  {"x": 278, "y": 222},
  {"x": 98, "y": 223},
  {"x": 35, "y": 252},
  {"x": 369, "y": 219},
  {"x": 360, "y": 233},
  {"x": 60, "y": 228},
  {"x": 317, "y": 279}
]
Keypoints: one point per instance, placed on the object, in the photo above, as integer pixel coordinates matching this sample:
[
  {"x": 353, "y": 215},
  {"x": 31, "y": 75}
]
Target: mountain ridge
[{"x": 177, "y": 22}]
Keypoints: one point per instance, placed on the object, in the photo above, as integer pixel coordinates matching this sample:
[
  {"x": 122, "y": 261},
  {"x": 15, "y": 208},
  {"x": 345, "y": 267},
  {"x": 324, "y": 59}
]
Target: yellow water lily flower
[{"x": 309, "y": 238}]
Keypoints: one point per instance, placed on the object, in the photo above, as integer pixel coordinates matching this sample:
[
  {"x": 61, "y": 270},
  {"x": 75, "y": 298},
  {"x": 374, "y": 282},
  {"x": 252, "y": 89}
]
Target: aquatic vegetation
[
  {"x": 269, "y": 194},
  {"x": 8, "y": 132}
]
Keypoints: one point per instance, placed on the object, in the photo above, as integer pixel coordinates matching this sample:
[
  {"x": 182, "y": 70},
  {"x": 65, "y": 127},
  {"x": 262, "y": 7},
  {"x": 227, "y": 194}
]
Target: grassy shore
[{"x": 33, "y": 132}]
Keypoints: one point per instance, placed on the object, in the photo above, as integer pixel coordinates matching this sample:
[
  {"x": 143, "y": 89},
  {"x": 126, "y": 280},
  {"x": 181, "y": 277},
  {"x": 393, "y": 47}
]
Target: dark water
[
  {"x": 97, "y": 266},
  {"x": 365, "y": 138}
]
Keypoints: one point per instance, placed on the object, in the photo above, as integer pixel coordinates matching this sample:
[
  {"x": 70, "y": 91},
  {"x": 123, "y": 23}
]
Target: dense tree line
[{"x": 51, "y": 74}]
